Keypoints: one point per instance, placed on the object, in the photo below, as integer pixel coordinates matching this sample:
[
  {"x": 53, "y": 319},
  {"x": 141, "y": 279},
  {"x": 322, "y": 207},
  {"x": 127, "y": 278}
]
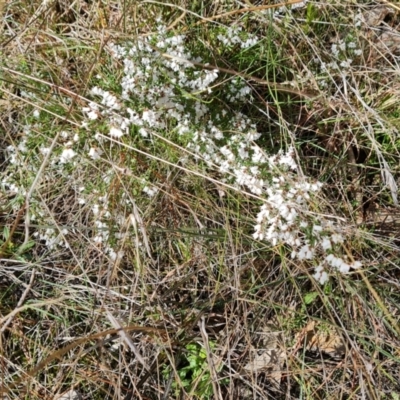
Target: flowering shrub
[
  {"x": 165, "y": 94},
  {"x": 174, "y": 187},
  {"x": 162, "y": 90}
]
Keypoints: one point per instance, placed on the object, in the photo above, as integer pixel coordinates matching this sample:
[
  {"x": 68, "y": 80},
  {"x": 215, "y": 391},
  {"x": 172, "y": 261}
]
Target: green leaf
[
  {"x": 26, "y": 246},
  {"x": 6, "y": 232},
  {"x": 310, "y": 297},
  {"x": 311, "y": 13}
]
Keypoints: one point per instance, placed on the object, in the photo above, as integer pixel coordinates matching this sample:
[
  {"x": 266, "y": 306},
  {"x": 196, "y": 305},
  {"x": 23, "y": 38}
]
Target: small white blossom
[
  {"x": 150, "y": 191},
  {"x": 95, "y": 209},
  {"x": 346, "y": 63},
  {"x": 359, "y": 19},
  {"x": 22, "y": 146},
  {"x": 356, "y": 265},
  {"x": 342, "y": 45},
  {"x": 337, "y": 238},
  {"x": 149, "y": 117},
  {"x": 320, "y": 275},
  {"x": 253, "y": 135},
  {"x": 344, "y": 268},
  {"x": 98, "y": 239},
  {"x": 326, "y": 244},
  {"x": 94, "y": 153},
  {"x": 67, "y": 155},
  {"x": 116, "y": 132},
  {"x": 317, "y": 228},
  {"x": 305, "y": 253},
  {"x": 143, "y": 132}
]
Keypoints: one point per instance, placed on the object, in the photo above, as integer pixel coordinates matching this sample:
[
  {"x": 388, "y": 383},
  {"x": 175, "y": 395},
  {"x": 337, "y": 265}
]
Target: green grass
[{"x": 85, "y": 252}]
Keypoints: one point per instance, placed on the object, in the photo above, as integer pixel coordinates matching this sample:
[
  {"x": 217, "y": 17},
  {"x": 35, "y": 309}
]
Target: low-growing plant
[
  {"x": 212, "y": 160},
  {"x": 194, "y": 375}
]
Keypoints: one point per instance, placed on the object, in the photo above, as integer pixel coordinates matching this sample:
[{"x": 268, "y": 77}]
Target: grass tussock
[{"x": 199, "y": 200}]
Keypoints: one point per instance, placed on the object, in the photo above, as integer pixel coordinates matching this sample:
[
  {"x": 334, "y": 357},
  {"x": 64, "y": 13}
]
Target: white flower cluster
[
  {"x": 234, "y": 36},
  {"x": 277, "y": 12},
  {"x": 151, "y": 79},
  {"x": 110, "y": 107},
  {"x": 160, "y": 92},
  {"x": 342, "y": 54},
  {"x": 67, "y": 155},
  {"x": 8, "y": 186},
  {"x": 102, "y": 235},
  {"x": 238, "y": 90},
  {"x": 13, "y": 156},
  {"x": 150, "y": 191},
  {"x": 51, "y": 238},
  {"x": 92, "y": 111}
]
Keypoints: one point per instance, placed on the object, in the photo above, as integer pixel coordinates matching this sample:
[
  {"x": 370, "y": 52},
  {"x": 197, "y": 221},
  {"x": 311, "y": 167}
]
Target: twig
[{"x": 126, "y": 338}]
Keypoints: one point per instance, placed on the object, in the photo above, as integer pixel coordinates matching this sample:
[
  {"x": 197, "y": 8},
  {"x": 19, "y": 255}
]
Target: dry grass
[{"x": 195, "y": 298}]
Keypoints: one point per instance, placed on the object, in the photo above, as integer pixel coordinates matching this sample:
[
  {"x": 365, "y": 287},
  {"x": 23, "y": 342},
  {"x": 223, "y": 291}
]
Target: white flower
[
  {"x": 326, "y": 244},
  {"x": 36, "y": 113},
  {"x": 305, "y": 253},
  {"x": 92, "y": 115},
  {"x": 333, "y": 261},
  {"x": 320, "y": 275},
  {"x": 116, "y": 132},
  {"x": 254, "y": 170},
  {"x": 346, "y": 63},
  {"x": 317, "y": 228},
  {"x": 94, "y": 153},
  {"x": 316, "y": 186},
  {"x": 96, "y": 91},
  {"x": 249, "y": 42},
  {"x": 143, "y": 132},
  {"x": 67, "y": 155},
  {"x": 337, "y": 238},
  {"x": 243, "y": 153},
  {"x": 98, "y": 239},
  {"x": 288, "y": 160},
  {"x": 356, "y": 265},
  {"x": 358, "y": 20},
  {"x": 113, "y": 254},
  {"x": 110, "y": 101},
  {"x": 22, "y": 146},
  {"x": 91, "y": 111},
  {"x": 342, "y": 45},
  {"x": 344, "y": 268},
  {"x": 150, "y": 191},
  {"x": 95, "y": 209},
  {"x": 150, "y": 117},
  {"x": 258, "y": 155},
  {"x": 253, "y": 135},
  {"x": 227, "y": 153},
  {"x": 338, "y": 263}
]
